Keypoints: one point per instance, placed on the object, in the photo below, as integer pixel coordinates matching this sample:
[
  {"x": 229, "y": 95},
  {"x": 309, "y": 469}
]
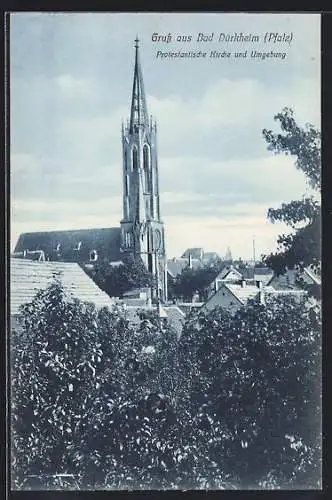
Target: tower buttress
[{"x": 142, "y": 230}]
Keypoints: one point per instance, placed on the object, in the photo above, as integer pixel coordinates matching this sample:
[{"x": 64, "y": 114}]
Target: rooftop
[
  {"x": 28, "y": 277},
  {"x": 74, "y": 244}
]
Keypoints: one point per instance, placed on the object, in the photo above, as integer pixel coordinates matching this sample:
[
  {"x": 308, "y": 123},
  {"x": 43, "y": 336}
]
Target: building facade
[{"x": 142, "y": 230}]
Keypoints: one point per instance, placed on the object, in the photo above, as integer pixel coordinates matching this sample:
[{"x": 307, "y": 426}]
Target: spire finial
[{"x": 138, "y": 113}]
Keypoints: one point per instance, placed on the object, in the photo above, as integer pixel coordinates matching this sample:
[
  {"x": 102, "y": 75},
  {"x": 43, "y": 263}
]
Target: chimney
[
  {"x": 190, "y": 264},
  {"x": 243, "y": 283},
  {"x": 261, "y": 297},
  {"x": 259, "y": 284}
]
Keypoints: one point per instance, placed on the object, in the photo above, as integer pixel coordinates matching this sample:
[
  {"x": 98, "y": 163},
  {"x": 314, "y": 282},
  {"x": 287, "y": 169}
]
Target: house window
[
  {"x": 58, "y": 247},
  {"x": 78, "y": 246},
  {"x": 93, "y": 256}
]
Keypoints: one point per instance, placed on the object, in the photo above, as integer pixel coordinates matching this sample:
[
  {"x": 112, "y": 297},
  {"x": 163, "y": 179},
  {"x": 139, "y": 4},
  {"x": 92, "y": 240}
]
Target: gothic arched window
[
  {"x": 135, "y": 158},
  {"x": 126, "y": 185},
  {"x": 155, "y": 178},
  {"x": 146, "y": 167}
]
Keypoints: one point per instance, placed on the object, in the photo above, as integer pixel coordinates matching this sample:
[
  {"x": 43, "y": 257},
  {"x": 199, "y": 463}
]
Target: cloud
[
  {"x": 74, "y": 87},
  {"x": 70, "y": 91},
  {"x": 216, "y": 234},
  {"x": 24, "y": 164},
  {"x": 229, "y": 109}
]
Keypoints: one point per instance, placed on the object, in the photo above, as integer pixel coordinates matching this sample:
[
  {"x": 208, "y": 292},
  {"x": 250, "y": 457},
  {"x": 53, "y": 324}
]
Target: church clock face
[{"x": 157, "y": 239}]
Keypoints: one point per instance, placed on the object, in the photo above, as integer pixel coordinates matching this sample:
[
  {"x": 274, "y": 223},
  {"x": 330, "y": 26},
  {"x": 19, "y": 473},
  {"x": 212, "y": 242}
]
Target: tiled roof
[
  {"x": 226, "y": 270},
  {"x": 288, "y": 280},
  {"x": 105, "y": 241},
  {"x": 244, "y": 293},
  {"x": 28, "y": 277}
]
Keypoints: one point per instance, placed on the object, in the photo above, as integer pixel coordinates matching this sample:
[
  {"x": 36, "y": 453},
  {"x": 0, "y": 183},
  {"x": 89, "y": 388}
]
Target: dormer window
[
  {"x": 78, "y": 246},
  {"x": 58, "y": 247},
  {"x": 93, "y": 256}
]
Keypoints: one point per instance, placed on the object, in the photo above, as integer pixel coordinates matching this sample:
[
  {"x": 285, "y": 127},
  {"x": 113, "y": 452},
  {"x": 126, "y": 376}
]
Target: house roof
[
  {"x": 176, "y": 265},
  {"x": 256, "y": 272},
  {"x": 242, "y": 293},
  {"x": 288, "y": 280},
  {"x": 313, "y": 276},
  {"x": 175, "y": 318},
  {"x": 196, "y": 253},
  {"x": 106, "y": 241},
  {"x": 28, "y": 277},
  {"x": 226, "y": 271}
]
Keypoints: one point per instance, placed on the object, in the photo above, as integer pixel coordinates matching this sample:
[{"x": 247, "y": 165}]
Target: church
[{"x": 141, "y": 232}]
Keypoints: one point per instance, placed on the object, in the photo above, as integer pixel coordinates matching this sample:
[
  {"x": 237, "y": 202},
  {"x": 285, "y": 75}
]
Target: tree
[
  {"x": 103, "y": 400},
  {"x": 115, "y": 281},
  {"x": 198, "y": 280},
  {"x": 260, "y": 391},
  {"x": 302, "y": 248}
]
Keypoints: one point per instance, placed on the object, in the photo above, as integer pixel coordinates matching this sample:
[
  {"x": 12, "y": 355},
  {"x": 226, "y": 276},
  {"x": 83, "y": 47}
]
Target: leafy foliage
[
  {"x": 233, "y": 403},
  {"x": 115, "y": 281},
  {"x": 304, "y": 143},
  {"x": 301, "y": 248},
  {"x": 261, "y": 379},
  {"x": 197, "y": 280}
]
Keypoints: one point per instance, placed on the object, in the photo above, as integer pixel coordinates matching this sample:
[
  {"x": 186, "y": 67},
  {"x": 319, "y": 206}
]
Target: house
[
  {"x": 259, "y": 273},
  {"x": 289, "y": 280},
  {"x": 170, "y": 314},
  {"x": 28, "y": 277},
  {"x": 137, "y": 297},
  {"x": 175, "y": 318},
  {"x": 187, "y": 307},
  {"x": 176, "y": 265},
  {"x": 232, "y": 296},
  {"x": 228, "y": 274}
]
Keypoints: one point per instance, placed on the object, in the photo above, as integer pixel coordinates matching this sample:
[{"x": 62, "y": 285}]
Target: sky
[{"x": 70, "y": 88}]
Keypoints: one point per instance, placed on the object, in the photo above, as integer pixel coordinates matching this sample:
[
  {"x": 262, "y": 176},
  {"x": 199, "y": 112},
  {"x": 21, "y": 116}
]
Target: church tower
[{"x": 142, "y": 230}]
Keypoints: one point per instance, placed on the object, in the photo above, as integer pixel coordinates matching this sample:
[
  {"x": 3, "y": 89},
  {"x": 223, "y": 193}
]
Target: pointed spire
[{"x": 138, "y": 112}]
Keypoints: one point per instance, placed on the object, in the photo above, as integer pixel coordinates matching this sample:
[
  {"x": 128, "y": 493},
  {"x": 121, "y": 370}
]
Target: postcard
[{"x": 165, "y": 251}]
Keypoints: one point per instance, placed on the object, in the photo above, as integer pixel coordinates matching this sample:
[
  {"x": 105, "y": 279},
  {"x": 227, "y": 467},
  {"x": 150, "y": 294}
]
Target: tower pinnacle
[{"x": 138, "y": 111}]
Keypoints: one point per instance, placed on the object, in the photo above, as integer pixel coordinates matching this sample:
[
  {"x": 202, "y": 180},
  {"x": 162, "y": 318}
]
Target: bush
[{"x": 235, "y": 403}]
